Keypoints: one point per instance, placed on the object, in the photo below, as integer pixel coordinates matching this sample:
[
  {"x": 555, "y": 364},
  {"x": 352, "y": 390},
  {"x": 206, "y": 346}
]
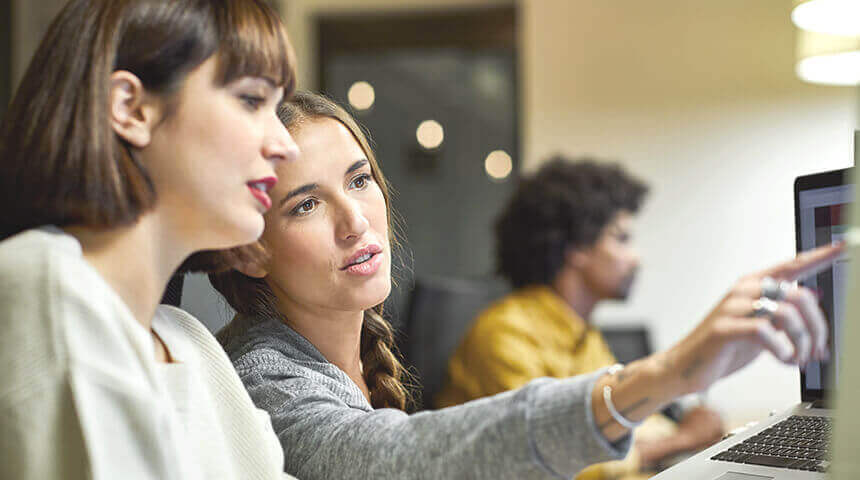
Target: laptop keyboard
[{"x": 798, "y": 443}]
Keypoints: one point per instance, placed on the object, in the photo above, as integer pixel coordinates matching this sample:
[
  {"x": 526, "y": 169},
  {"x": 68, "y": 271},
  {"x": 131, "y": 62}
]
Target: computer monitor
[{"x": 821, "y": 202}]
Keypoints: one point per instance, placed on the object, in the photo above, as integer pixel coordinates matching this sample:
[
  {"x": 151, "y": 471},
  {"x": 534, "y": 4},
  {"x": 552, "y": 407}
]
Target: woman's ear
[
  {"x": 133, "y": 113},
  {"x": 252, "y": 269}
]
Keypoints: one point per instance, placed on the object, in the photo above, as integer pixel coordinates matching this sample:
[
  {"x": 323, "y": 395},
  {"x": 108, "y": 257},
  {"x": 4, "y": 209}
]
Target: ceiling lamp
[
  {"x": 430, "y": 134},
  {"x": 836, "y": 17},
  {"x": 828, "y": 44},
  {"x": 828, "y": 59},
  {"x": 498, "y": 165},
  {"x": 361, "y": 95}
]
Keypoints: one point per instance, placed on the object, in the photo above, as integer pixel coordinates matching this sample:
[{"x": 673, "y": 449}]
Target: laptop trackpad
[{"x": 741, "y": 476}]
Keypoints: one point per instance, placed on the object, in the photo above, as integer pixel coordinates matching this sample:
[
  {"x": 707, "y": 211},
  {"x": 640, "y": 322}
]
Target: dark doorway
[
  {"x": 459, "y": 69},
  {"x": 5, "y": 55}
]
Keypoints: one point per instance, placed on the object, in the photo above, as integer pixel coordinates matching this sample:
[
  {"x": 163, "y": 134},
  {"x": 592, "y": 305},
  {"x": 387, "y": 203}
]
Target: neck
[
  {"x": 136, "y": 261},
  {"x": 336, "y": 334},
  {"x": 576, "y": 293}
]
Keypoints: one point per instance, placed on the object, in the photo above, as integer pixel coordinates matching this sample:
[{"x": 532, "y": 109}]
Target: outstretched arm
[{"x": 728, "y": 339}]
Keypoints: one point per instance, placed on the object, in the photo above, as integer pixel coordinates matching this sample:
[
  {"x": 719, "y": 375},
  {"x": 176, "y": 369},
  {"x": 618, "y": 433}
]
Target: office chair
[
  {"x": 173, "y": 292},
  {"x": 440, "y": 312}
]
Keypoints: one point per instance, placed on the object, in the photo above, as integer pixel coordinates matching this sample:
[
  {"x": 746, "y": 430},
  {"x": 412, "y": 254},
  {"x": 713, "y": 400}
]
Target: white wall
[{"x": 700, "y": 100}]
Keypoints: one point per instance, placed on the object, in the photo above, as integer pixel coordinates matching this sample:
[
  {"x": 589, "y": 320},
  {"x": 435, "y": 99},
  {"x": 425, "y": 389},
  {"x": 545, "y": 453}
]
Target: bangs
[{"x": 253, "y": 42}]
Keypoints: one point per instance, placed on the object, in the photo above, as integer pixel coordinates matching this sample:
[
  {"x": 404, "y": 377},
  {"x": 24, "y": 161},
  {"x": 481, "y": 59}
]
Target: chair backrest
[
  {"x": 173, "y": 292},
  {"x": 440, "y": 312},
  {"x": 628, "y": 343}
]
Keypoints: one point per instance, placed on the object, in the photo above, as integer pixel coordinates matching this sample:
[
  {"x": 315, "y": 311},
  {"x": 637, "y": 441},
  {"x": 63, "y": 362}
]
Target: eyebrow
[
  {"x": 355, "y": 166},
  {"x": 313, "y": 186},
  {"x": 303, "y": 189}
]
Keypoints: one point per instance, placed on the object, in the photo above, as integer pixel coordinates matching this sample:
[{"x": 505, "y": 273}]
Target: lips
[
  {"x": 259, "y": 189},
  {"x": 364, "y": 256}
]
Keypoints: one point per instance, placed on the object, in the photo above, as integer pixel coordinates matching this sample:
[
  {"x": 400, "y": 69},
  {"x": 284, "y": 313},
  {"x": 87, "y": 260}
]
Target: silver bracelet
[{"x": 607, "y": 397}]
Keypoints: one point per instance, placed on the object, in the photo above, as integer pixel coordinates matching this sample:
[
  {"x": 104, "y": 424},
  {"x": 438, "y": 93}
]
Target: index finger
[{"x": 805, "y": 264}]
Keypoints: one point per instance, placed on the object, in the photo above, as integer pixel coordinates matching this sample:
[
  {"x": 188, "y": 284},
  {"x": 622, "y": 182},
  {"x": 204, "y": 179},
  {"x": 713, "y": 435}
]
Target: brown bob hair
[
  {"x": 60, "y": 161},
  {"x": 253, "y": 298}
]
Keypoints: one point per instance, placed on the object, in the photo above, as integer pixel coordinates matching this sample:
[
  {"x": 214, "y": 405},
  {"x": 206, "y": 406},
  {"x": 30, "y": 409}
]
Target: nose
[
  {"x": 351, "y": 222},
  {"x": 279, "y": 144}
]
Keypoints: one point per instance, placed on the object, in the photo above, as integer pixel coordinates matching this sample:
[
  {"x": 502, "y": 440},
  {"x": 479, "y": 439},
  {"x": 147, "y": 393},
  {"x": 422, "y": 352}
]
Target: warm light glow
[
  {"x": 430, "y": 134},
  {"x": 836, "y": 17},
  {"x": 361, "y": 95},
  {"x": 834, "y": 69},
  {"x": 828, "y": 59},
  {"x": 498, "y": 164}
]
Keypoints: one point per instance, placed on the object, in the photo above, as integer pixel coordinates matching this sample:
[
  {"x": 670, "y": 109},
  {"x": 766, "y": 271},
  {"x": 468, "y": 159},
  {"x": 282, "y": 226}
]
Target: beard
[{"x": 624, "y": 287}]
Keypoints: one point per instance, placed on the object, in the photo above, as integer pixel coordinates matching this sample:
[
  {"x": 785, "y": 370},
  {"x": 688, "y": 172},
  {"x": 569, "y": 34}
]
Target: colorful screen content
[{"x": 824, "y": 220}]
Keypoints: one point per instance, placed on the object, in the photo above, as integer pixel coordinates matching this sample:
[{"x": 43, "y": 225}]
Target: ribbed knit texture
[
  {"x": 82, "y": 397},
  {"x": 328, "y": 430},
  {"x": 246, "y": 431}
]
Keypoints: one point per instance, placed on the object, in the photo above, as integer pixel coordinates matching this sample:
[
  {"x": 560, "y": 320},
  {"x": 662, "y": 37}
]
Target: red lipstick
[{"x": 259, "y": 188}]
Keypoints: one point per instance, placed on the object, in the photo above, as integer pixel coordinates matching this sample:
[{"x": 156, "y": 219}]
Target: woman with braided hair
[{"x": 312, "y": 349}]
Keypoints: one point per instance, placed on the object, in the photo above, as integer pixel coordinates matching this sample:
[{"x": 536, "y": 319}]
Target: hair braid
[{"x": 382, "y": 371}]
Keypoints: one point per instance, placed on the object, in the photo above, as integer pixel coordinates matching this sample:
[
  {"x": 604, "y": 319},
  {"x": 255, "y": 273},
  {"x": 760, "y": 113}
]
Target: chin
[{"x": 375, "y": 294}]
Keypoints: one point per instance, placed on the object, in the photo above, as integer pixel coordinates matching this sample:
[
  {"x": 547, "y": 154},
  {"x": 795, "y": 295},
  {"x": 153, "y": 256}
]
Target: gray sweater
[{"x": 328, "y": 430}]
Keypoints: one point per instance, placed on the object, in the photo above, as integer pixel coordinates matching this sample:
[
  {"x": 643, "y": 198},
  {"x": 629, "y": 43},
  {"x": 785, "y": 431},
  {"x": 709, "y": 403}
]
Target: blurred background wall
[{"x": 698, "y": 98}]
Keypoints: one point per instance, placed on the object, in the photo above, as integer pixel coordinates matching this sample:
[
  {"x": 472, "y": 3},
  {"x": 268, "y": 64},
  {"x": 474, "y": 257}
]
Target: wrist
[{"x": 664, "y": 371}]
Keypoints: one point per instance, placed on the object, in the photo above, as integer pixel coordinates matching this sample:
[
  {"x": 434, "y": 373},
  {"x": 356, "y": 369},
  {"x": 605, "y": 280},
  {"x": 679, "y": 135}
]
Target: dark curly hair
[{"x": 566, "y": 203}]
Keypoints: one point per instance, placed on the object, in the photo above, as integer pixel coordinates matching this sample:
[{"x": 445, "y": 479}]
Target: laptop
[{"x": 793, "y": 445}]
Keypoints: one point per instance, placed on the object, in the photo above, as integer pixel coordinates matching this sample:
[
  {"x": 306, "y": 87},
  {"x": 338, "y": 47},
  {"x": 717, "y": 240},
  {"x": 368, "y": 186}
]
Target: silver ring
[
  {"x": 774, "y": 290},
  {"x": 765, "y": 307}
]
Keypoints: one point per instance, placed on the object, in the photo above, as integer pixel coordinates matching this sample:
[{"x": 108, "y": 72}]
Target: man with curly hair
[{"x": 564, "y": 241}]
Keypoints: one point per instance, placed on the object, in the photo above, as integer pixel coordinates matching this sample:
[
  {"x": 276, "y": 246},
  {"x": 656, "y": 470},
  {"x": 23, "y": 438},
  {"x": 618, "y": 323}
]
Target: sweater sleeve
[{"x": 543, "y": 430}]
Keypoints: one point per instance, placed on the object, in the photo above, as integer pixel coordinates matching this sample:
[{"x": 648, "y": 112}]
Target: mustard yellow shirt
[{"x": 533, "y": 333}]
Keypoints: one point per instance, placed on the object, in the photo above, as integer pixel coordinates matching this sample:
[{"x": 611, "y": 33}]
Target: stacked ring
[
  {"x": 765, "y": 307},
  {"x": 774, "y": 290}
]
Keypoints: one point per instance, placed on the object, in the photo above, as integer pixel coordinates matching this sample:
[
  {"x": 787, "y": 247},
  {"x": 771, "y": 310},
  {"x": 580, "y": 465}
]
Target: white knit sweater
[{"x": 82, "y": 396}]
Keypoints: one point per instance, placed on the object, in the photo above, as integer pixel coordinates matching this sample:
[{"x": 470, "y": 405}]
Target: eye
[
  {"x": 305, "y": 207},
  {"x": 360, "y": 182},
  {"x": 253, "y": 102}
]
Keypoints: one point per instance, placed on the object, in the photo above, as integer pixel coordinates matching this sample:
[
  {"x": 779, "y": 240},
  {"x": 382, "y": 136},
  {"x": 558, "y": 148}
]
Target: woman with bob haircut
[
  {"x": 143, "y": 131},
  {"x": 312, "y": 348}
]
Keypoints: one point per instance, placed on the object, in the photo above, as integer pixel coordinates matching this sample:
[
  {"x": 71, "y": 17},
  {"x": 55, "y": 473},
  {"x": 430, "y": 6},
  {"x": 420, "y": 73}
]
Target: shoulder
[
  {"x": 61, "y": 316},
  {"x": 187, "y": 338},
  {"x": 30, "y": 257},
  {"x": 508, "y": 314},
  {"x": 264, "y": 361},
  {"x": 276, "y": 377},
  {"x": 45, "y": 280},
  {"x": 33, "y": 349},
  {"x": 176, "y": 319}
]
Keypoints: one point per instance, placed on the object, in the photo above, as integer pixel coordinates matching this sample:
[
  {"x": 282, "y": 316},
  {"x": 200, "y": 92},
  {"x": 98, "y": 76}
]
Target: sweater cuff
[{"x": 561, "y": 426}]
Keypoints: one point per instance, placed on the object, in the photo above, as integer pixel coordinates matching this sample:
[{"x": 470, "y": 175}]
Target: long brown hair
[
  {"x": 252, "y": 297},
  {"x": 60, "y": 161}
]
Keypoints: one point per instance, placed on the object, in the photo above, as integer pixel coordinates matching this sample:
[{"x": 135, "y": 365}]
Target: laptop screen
[{"x": 821, "y": 217}]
